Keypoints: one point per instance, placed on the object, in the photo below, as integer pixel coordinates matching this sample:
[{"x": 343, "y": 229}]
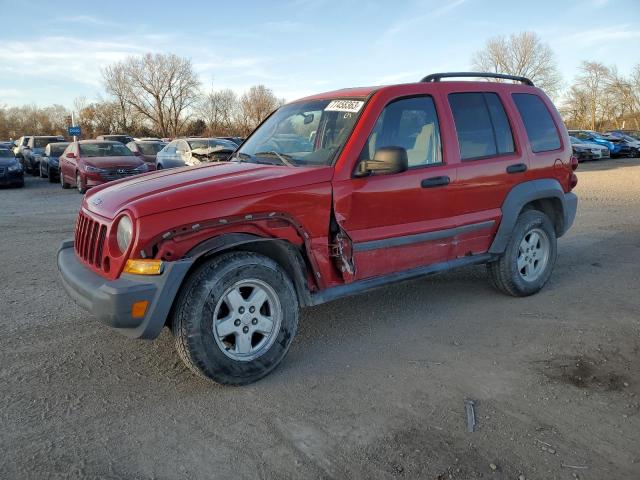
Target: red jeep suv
[{"x": 331, "y": 195}]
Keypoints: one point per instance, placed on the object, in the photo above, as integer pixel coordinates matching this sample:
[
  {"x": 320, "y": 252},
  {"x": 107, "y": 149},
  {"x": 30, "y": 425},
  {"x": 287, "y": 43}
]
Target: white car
[
  {"x": 592, "y": 150},
  {"x": 193, "y": 151}
]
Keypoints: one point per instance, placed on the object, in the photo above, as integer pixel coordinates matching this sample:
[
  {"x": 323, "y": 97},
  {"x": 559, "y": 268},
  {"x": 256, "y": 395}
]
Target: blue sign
[{"x": 74, "y": 131}]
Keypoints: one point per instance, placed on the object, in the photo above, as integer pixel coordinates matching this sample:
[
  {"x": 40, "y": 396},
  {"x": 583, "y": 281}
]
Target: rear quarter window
[{"x": 540, "y": 127}]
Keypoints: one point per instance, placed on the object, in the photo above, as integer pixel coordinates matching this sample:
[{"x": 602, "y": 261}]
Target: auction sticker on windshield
[{"x": 344, "y": 106}]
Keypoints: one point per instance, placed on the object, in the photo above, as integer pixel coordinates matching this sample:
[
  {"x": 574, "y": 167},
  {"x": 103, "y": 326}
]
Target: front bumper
[
  {"x": 11, "y": 178},
  {"x": 111, "y": 300}
]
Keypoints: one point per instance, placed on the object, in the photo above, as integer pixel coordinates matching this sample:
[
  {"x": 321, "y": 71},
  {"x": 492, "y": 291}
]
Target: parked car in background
[
  {"x": 19, "y": 145},
  {"x": 634, "y": 143},
  {"x": 7, "y": 144},
  {"x": 49, "y": 161},
  {"x": 147, "y": 150},
  {"x": 11, "y": 171},
  {"x": 635, "y": 134},
  {"x": 148, "y": 139},
  {"x": 88, "y": 163},
  {"x": 124, "y": 139},
  {"x": 588, "y": 151},
  {"x": 193, "y": 151},
  {"x": 237, "y": 140},
  {"x": 617, "y": 147},
  {"x": 32, "y": 152}
]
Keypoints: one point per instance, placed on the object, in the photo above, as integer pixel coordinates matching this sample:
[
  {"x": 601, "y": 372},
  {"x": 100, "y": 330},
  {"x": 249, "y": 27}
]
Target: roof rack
[{"x": 436, "y": 77}]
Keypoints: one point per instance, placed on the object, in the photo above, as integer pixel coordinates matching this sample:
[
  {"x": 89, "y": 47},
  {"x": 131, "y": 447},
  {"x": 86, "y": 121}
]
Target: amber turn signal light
[
  {"x": 138, "y": 309},
  {"x": 149, "y": 266}
]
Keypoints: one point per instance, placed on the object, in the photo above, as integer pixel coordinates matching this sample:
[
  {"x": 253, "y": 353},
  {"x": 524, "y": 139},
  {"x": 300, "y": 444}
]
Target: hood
[
  {"x": 184, "y": 187},
  {"x": 112, "y": 162},
  {"x": 590, "y": 145},
  {"x": 6, "y": 161}
]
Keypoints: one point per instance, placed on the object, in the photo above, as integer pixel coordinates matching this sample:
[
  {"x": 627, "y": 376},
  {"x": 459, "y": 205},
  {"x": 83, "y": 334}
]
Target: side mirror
[
  {"x": 386, "y": 161},
  {"x": 70, "y": 155}
]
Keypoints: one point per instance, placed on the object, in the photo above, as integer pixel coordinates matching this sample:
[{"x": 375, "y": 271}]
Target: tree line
[{"x": 161, "y": 95}]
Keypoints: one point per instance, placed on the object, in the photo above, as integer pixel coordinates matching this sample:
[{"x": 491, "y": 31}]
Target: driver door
[{"x": 400, "y": 221}]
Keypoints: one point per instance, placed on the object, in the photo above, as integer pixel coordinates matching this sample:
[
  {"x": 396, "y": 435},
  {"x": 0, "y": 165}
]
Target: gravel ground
[{"x": 373, "y": 387}]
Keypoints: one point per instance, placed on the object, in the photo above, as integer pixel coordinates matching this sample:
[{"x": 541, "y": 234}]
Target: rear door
[
  {"x": 399, "y": 221},
  {"x": 491, "y": 161}
]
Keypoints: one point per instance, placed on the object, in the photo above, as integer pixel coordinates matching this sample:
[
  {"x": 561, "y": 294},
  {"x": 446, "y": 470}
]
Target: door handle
[
  {"x": 435, "y": 182},
  {"x": 517, "y": 168}
]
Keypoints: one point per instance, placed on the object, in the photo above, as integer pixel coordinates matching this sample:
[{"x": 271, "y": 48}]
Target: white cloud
[
  {"x": 599, "y": 36},
  {"x": 60, "y": 58},
  {"x": 443, "y": 10},
  {"x": 83, "y": 19}
]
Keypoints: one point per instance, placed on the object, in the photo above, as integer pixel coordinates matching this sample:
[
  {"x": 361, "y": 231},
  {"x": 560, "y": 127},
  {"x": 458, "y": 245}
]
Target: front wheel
[
  {"x": 63, "y": 184},
  {"x": 79, "y": 185},
  {"x": 526, "y": 265},
  {"x": 235, "y": 318}
]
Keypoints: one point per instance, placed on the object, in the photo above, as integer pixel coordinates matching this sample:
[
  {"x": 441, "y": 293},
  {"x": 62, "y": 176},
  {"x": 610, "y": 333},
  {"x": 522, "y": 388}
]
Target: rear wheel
[
  {"x": 235, "y": 318},
  {"x": 42, "y": 173},
  {"x": 526, "y": 265}
]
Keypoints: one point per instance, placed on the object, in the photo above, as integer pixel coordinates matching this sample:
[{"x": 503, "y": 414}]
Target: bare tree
[
  {"x": 593, "y": 83},
  {"x": 522, "y": 54},
  {"x": 218, "y": 109},
  {"x": 161, "y": 88},
  {"x": 254, "y": 106}
]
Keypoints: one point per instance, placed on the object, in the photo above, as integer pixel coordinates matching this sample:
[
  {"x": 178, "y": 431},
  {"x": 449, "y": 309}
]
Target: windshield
[
  {"x": 5, "y": 153},
  {"x": 41, "y": 142},
  {"x": 150, "y": 148},
  {"x": 576, "y": 140},
  {"x": 210, "y": 142},
  {"x": 302, "y": 134},
  {"x": 55, "y": 150},
  {"x": 104, "y": 149}
]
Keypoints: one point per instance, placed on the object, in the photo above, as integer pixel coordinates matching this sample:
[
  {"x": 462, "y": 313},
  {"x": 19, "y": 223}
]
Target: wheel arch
[
  {"x": 285, "y": 254},
  {"x": 545, "y": 195}
]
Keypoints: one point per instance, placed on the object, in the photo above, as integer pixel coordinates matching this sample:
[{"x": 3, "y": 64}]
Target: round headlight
[{"x": 124, "y": 233}]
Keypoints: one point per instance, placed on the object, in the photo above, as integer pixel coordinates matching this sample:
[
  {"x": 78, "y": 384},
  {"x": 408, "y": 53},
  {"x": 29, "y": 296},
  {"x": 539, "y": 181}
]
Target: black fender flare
[
  {"x": 527, "y": 192},
  {"x": 283, "y": 252}
]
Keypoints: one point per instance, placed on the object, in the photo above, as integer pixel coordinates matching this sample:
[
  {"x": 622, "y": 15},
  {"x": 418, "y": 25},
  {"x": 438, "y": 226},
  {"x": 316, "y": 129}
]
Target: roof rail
[{"x": 436, "y": 77}]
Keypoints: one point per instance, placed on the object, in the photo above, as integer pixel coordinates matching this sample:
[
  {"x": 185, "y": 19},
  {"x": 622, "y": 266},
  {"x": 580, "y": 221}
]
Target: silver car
[
  {"x": 194, "y": 151},
  {"x": 595, "y": 150}
]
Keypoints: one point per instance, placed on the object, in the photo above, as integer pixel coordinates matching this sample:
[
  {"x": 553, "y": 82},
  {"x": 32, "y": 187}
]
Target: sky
[{"x": 53, "y": 52}]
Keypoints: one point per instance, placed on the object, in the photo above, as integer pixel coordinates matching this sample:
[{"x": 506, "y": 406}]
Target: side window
[
  {"x": 410, "y": 123},
  {"x": 541, "y": 129},
  {"x": 481, "y": 125},
  {"x": 171, "y": 148}
]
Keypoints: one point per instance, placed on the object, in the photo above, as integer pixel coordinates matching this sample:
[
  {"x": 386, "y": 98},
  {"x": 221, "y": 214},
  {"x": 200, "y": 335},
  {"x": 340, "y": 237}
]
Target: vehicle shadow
[{"x": 611, "y": 164}]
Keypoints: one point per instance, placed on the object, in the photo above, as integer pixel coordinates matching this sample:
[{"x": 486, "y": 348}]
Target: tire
[
  {"x": 159, "y": 166},
  {"x": 210, "y": 292},
  {"x": 81, "y": 189},
  {"x": 63, "y": 184},
  {"x": 535, "y": 257},
  {"x": 42, "y": 175},
  {"x": 35, "y": 170},
  {"x": 51, "y": 176}
]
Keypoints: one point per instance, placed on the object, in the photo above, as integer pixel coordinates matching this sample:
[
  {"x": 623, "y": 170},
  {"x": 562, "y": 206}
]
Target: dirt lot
[{"x": 373, "y": 387}]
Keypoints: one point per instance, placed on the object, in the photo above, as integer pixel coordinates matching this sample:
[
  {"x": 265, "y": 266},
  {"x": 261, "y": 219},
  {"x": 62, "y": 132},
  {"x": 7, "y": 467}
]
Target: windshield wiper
[{"x": 283, "y": 157}]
